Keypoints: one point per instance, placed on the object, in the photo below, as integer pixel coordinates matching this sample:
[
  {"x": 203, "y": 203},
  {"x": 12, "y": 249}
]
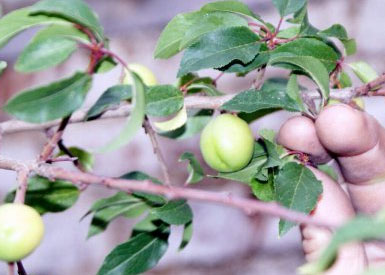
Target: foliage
[{"x": 226, "y": 36}]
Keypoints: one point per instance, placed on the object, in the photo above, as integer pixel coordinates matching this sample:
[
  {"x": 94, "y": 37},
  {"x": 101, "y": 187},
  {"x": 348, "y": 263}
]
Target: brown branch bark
[
  {"x": 249, "y": 206},
  {"x": 155, "y": 145},
  {"x": 191, "y": 102}
]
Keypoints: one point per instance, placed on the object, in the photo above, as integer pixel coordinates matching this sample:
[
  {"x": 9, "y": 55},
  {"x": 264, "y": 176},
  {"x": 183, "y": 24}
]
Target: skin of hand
[
  {"x": 300, "y": 133},
  {"x": 358, "y": 143}
]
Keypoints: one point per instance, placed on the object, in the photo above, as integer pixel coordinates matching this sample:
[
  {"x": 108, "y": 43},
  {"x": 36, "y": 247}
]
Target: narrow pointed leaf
[
  {"x": 310, "y": 65},
  {"x": 19, "y": 20},
  {"x": 134, "y": 122},
  {"x": 48, "y": 196},
  {"x": 253, "y": 100},
  {"x": 195, "y": 170},
  {"x": 49, "y": 47},
  {"x": 136, "y": 256},
  {"x": 175, "y": 212},
  {"x": 110, "y": 98},
  {"x": 218, "y": 48},
  {"x": 298, "y": 189},
  {"x": 187, "y": 235},
  {"x": 231, "y": 6},
  {"x": 185, "y": 29},
  {"x": 309, "y": 47},
  {"x": 163, "y": 100},
  {"x": 286, "y": 7},
  {"x": 76, "y": 11},
  {"x": 54, "y": 101}
]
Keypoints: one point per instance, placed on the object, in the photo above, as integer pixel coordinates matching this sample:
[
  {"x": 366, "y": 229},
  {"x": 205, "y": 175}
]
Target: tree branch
[
  {"x": 155, "y": 145},
  {"x": 191, "y": 102},
  {"x": 249, "y": 206}
]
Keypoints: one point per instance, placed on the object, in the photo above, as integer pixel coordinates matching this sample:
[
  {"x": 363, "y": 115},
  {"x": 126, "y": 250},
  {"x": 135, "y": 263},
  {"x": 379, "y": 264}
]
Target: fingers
[
  {"x": 299, "y": 134},
  {"x": 333, "y": 206},
  {"x": 358, "y": 141}
]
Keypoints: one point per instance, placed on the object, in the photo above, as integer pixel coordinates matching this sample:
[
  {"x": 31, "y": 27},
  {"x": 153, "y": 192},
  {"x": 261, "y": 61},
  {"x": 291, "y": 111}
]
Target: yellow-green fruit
[
  {"x": 357, "y": 100},
  {"x": 21, "y": 231},
  {"x": 227, "y": 143},
  {"x": 143, "y": 72}
]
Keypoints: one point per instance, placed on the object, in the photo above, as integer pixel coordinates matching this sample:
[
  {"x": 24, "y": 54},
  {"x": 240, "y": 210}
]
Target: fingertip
[
  {"x": 344, "y": 130},
  {"x": 298, "y": 133}
]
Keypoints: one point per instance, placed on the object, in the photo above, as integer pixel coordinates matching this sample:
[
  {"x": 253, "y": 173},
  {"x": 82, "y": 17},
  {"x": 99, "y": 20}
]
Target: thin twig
[
  {"x": 20, "y": 268},
  {"x": 191, "y": 102},
  {"x": 11, "y": 269},
  {"x": 249, "y": 206},
  {"x": 155, "y": 145},
  {"x": 51, "y": 144},
  {"x": 22, "y": 179}
]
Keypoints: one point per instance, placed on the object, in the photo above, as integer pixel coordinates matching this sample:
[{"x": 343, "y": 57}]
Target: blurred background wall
[{"x": 225, "y": 241}]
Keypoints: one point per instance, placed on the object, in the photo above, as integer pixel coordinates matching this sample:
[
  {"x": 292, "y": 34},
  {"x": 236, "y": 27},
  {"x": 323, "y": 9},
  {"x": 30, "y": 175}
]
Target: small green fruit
[
  {"x": 227, "y": 143},
  {"x": 21, "y": 231},
  {"x": 143, "y": 72},
  {"x": 357, "y": 100}
]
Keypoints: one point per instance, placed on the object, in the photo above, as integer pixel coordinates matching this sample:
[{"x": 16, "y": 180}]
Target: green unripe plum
[
  {"x": 21, "y": 231},
  {"x": 143, "y": 72},
  {"x": 227, "y": 143},
  {"x": 357, "y": 100}
]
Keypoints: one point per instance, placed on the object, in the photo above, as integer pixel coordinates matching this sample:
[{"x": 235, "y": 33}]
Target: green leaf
[
  {"x": 176, "y": 122},
  {"x": 350, "y": 46},
  {"x": 301, "y": 17},
  {"x": 163, "y": 100},
  {"x": 239, "y": 67},
  {"x": 148, "y": 224},
  {"x": 336, "y": 30},
  {"x": 308, "y": 47},
  {"x": 363, "y": 71},
  {"x": 175, "y": 212},
  {"x": 218, "y": 48},
  {"x": 134, "y": 123},
  {"x": 105, "y": 65},
  {"x": 263, "y": 191},
  {"x": 253, "y": 100},
  {"x": 3, "y": 66},
  {"x": 345, "y": 80},
  {"x": 20, "y": 20},
  {"x": 108, "y": 209},
  {"x": 76, "y": 11},
  {"x": 298, "y": 189},
  {"x": 136, "y": 256},
  {"x": 289, "y": 32},
  {"x": 48, "y": 196},
  {"x": 110, "y": 98},
  {"x": 208, "y": 89},
  {"x": 193, "y": 126},
  {"x": 313, "y": 67},
  {"x": 286, "y": 7},
  {"x": 293, "y": 90},
  {"x": 195, "y": 170},
  {"x": 85, "y": 159},
  {"x": 361, "y": 228},
  {"x": 153, "y": 200},
  {"x": 187, "y": 235},
  {"x": 46, "y": 103},
  {"x": 185, "y": 29},
  {"x": 50, "y": 47},
  {"x": 230, "y": 6}
]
